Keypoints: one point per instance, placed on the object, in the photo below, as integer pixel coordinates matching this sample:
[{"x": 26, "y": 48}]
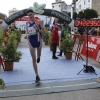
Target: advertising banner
[
  {"x": 93, "y": 47},
  {"x": 24, "y": 18}
]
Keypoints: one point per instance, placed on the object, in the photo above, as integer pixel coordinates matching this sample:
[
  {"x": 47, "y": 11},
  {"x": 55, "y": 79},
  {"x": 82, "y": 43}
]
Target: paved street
[{"x": 89, "y": 94}]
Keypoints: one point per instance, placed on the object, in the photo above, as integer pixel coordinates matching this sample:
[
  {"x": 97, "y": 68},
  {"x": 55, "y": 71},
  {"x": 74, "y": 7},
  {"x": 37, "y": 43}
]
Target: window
[
  {"x": 84, "y": 2},
  {"x": 53, "y": 6},
  {"x": 59, "y": 5},
  {"x": 80, "y": 7}
]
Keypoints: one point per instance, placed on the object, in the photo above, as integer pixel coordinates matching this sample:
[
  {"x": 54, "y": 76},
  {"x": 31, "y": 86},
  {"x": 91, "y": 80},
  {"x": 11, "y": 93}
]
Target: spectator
[
  {"x": 81, "y": 30},
  {"x": 55, "y": 40},
  {"x": 98, "y": 32},
  {"x": 62, "y": 36}
]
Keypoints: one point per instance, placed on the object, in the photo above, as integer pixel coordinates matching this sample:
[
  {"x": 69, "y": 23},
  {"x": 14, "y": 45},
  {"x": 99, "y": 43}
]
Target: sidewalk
[{"x": 89, "y": 94}]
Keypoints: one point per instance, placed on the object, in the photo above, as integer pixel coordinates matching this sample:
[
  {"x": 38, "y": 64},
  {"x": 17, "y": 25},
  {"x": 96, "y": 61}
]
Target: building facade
[
  {"x": 91, "y": 4},
  {"x": 96, "y": 6},
  {"x": 3, "y": 16},
  {"x": 12, "y": 11},
  {"x": 68, "y": 8},
  {"x": 74, "y": 1},
  {"x": 59, "y": 5}
]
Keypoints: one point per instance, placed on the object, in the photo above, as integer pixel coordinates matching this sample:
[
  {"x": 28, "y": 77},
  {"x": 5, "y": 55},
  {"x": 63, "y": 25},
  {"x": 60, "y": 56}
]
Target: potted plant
[
  {"x": 9, "y": 52},
  {"x": 67, "y": 46},
  {"x": 2, "y": 84},
  {"x": 49, "y": 40},
  {"x": 45, "y": 37},
  {"x": 17, "y": 32}
]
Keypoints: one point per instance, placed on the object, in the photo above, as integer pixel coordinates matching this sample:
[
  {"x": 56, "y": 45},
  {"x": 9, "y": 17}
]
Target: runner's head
[{"x": 30, "y": 14}]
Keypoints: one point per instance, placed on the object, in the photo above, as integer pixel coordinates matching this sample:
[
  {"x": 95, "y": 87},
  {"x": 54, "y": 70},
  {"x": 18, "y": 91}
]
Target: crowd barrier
[{"x": 80, "y": 45}]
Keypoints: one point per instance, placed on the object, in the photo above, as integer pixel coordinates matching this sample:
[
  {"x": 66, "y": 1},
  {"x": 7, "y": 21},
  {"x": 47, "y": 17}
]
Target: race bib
[{"x": 31, "y": 31}]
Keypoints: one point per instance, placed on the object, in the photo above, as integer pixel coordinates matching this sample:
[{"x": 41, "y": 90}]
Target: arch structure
[{"x": 41, "y": 10}]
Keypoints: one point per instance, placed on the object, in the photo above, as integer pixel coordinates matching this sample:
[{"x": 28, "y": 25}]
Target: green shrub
[{"x": 67, "y": 43}]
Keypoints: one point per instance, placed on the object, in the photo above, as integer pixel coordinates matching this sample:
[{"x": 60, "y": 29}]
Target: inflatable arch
[{"x": 38, "y": 9}]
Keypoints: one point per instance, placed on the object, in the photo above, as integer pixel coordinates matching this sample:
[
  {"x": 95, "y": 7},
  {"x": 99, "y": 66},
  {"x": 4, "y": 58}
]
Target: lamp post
[
  {"x": 72, "y": 9},
  {"x": 46, "y": 20}
]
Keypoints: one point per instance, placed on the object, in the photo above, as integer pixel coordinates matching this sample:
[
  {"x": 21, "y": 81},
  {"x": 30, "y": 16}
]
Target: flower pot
[
  {"x": 68, "y": 55},
  {"x": 8, "y": 66},
  {"x": 51, "y": 48},
  {"x": 46, "y": 43}
]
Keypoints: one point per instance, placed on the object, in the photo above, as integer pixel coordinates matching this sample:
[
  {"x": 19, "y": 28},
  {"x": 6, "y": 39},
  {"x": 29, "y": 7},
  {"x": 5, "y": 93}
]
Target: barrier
[
  {"x": 78, "y": 43},
  {"x": 93, "y": 47}
]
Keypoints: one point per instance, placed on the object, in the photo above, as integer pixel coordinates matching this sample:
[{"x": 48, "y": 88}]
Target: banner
[
  {"x": 37, "y": 9},
  {"x": 24, "y": 18},
  {"x": 93, "y": 47}
]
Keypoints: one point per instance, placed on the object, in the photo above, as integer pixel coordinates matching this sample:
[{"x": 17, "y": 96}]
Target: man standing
[
  {"x": 55, "y": 40},
  {"x": 62, "y": 36}
]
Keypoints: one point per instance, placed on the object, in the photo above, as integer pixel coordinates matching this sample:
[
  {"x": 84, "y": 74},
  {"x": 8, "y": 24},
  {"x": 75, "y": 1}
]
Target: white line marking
[
  {"x": 23, "y": 89},
  {"x": 74, "y": 85},
  {"x": 46, "y": 87}
]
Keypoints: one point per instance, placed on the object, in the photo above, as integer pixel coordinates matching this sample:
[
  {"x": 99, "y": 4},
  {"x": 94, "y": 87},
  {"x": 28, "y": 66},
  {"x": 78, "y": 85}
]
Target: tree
[
  {"x": 46, "y": 25},
  {"x": 74, "y": 14},
  {"x": 88, "y": 14},
  {"x": 80, "y": 14},
  {"x": 60, "y": 21},
  {"x": 68, "y": 13}
]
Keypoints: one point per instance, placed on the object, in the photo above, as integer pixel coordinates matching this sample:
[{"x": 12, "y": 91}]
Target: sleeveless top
[{"x": 34, "y": 37}]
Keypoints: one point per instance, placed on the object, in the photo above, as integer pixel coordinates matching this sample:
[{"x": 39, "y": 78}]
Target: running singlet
[{"x": 34, "y": 37}]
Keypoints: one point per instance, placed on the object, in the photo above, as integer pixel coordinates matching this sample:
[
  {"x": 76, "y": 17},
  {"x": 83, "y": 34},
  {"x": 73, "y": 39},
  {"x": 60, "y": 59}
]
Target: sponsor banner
[
  {"x": 93, "y": 47},
  {"x": 24, "y": 18},
  {"x": 47, "y": 12}
]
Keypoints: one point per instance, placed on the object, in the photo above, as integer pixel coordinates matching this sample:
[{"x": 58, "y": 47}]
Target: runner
[{"x": 34, "y": 39}]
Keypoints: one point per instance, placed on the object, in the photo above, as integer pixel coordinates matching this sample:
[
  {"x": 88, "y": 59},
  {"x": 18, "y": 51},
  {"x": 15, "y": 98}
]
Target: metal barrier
[{"x": 78, "y": 43}]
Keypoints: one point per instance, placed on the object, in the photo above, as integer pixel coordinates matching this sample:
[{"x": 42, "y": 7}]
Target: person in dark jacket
[
  {"x": 55, "y": 40},
  {"x": 81, "y": 30},
  {"x": 63, "y": 36}
]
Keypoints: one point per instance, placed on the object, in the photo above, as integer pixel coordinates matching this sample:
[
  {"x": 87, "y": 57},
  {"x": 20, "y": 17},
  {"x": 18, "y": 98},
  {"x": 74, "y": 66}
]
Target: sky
[{"x": 6, "y": 5}]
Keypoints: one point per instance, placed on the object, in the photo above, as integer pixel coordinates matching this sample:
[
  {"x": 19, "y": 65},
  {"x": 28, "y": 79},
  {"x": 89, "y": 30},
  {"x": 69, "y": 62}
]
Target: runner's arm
[
  {"x": 42, "y": 27},
  {"x": 26, "y": 32}
]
